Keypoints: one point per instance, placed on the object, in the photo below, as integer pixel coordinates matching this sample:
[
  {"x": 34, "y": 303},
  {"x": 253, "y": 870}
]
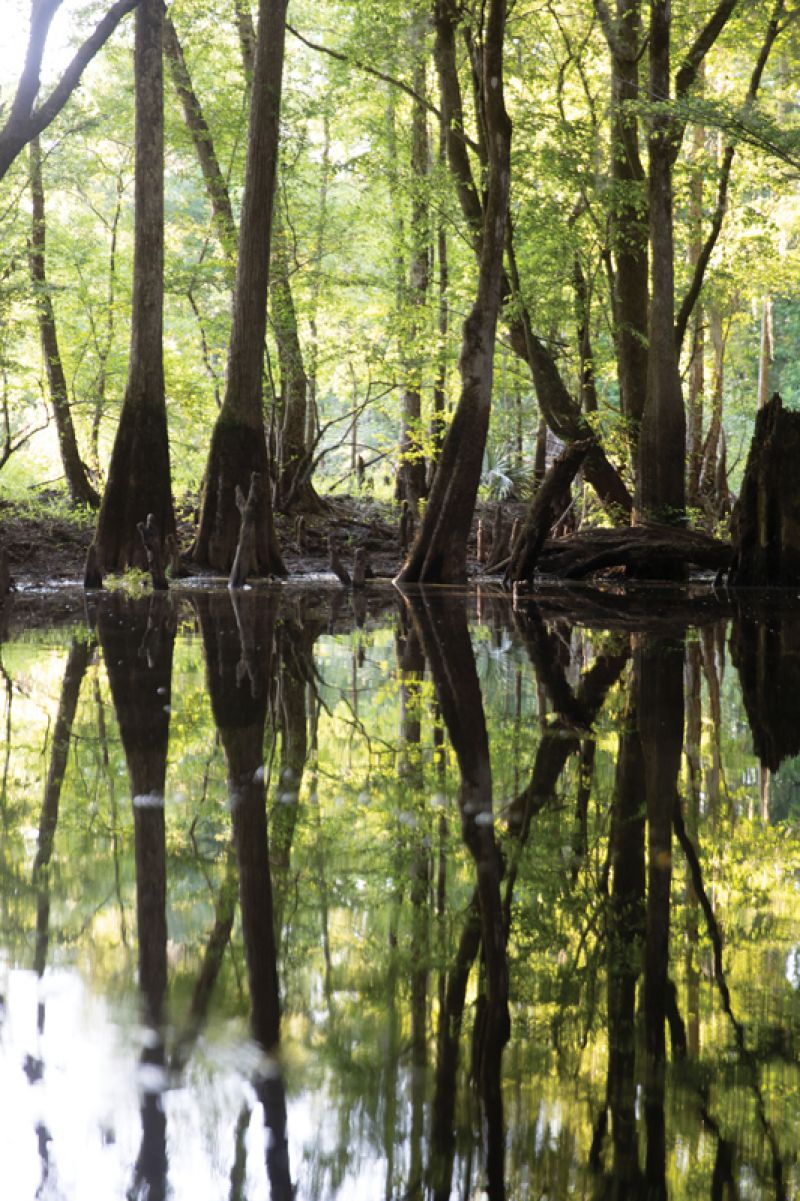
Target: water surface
[{"x": 424, "y": 898}]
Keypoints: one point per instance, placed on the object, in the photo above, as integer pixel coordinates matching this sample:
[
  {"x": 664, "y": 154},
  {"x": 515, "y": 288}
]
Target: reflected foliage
[{"x": 461, "y": 899}]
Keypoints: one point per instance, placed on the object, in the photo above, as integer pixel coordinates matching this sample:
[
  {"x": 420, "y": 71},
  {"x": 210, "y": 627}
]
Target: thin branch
[
  {"x": 773, "y": 30},
  {"x": 370, "y": 70}
]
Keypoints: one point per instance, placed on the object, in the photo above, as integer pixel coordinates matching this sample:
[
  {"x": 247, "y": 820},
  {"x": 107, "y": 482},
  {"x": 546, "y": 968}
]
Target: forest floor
[{"x": 46, "y": 544}]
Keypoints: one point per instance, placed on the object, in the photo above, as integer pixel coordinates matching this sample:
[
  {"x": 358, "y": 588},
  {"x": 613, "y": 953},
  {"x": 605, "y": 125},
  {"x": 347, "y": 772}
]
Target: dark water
[{"x": 438, "y": 899}]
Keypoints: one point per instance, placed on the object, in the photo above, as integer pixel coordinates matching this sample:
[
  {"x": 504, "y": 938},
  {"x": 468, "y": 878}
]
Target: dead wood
[
  {"x": 546, "y": 508},
  {"x": 766, "y": 521},
  {"x": 336, "y": 565},
  {"x": 245, "y": 558},
  {"x": 641, "y": 550},
  {"x": 148, "y": 532},
  {"x": 360, "y": 568}
]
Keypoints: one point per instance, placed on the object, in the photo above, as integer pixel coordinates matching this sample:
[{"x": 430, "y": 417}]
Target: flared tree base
[{"x": 236, "y": 452}]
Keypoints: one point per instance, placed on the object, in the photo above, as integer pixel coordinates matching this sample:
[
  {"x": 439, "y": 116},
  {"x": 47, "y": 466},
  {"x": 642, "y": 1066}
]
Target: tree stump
[
  {"x": 336, "y": 565},
  {"x": 148, "y": 532},
  {"x": 766, "y": 519},
  {"x": 360, "y": 568},
  {"x": 245, "y": 559},
  {"x": 6, "y": 579}
]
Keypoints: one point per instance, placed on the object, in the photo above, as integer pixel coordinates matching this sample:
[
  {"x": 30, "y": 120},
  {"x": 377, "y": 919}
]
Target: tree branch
[
  {"x": 341, "y": 57},
  {"x": 773, "y": 30},
  {"x": 24, "y": 123}
]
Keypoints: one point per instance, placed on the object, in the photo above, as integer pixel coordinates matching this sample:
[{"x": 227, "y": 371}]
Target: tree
[
  {"x": 80, "y": 488},
  {"x": 139, "y": 481},
  {"x": 440, "y": 551},
  {"x": 661, "y": 478},
  {"x": 238, "y": 443}
]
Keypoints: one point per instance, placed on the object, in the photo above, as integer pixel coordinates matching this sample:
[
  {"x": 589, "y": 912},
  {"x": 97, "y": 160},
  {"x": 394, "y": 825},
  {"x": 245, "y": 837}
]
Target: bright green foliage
[{"x": 346, "y": 195}]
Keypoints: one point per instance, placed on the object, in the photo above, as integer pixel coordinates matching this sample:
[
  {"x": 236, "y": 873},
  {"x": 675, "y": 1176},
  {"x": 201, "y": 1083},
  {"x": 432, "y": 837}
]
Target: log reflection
[{"x": 137, "y": 637}]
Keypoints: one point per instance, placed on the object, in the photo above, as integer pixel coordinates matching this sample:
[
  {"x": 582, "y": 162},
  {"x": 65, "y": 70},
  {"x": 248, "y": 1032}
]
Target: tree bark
[
  {"x": 294, "y": 491},
  {"x": 628, "y": 215},
  {"x": 411, "y": 481},
  {"x": 139, "y": 480},
  {"x": 661, "y": 483},
  {"x": 24, "y": 120},
  {"x": 81, "y": 491},
  {"x": 440, "y": 551},
  {"x": 238, "y": 443},
  {"x": 559, "y": 408}
]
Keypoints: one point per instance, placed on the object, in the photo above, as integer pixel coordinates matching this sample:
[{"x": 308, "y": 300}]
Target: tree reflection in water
[
  {"x": 240, "y": 654},
  {"x": 137, "y": 637},
  {"x": 591, "y": 992}
]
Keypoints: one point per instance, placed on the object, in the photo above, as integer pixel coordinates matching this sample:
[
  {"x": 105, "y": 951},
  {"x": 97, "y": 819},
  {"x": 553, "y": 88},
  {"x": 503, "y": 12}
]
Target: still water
[{"x": 436, "y": 898}]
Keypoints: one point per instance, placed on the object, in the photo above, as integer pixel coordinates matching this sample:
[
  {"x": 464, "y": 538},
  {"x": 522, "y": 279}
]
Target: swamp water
[{"x": 438, "y": 899}]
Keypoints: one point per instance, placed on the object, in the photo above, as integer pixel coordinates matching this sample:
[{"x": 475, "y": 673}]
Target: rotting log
[
  {"x": 245, "y": 558},
  {"x": 766, "y": 519},
  {"x": 148, "y": 532},
  {"x": 546, "y": 508},
  {"x": 640, "y": 550}
]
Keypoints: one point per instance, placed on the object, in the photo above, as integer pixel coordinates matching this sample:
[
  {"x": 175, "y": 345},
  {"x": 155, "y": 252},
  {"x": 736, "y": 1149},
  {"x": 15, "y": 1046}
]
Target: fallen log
[{"x": 640, "y": 550}]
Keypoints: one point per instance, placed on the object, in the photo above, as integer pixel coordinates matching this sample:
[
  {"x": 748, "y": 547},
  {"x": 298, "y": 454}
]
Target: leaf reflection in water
[{"x": 504, "y": 904}]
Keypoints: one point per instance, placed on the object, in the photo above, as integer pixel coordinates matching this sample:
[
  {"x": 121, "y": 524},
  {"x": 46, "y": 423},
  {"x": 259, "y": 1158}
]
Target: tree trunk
[
  {"x": 661, "y": 482},
  {"x": 238, "y": 442},
  {"x": 139, "y": 480},
  {"x": 213, "y": 177},
  {"x": 411, "y": 480},
  {"x": 440, "y": 552},
  {"x": 562, "y": 413},
  {"x": 547, "y": 506},
  {"x": 628, "y": 217},
  {"x": 80, "y": 488},
  {"x": 294, "y": 491},
  {"x": 694, "y": 427}
]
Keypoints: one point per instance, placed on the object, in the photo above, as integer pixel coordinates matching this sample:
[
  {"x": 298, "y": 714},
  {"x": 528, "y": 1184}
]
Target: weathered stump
[
  {"x": 766, "y": 519},
  {"x": 360, "y": 568},
  {"x": 336, "y": 565},
  {"x": 245, "y": 559},
  {"x": 6, "y": 579},
  {"x": 148, "y": 532}
]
